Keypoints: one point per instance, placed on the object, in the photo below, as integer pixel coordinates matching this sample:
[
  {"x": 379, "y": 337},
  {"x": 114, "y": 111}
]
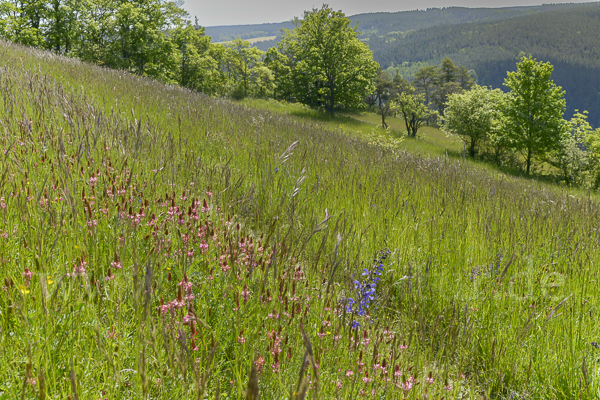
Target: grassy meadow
[
  {"x": 431, "y": 141},
  {"x": 254, "y": 40},
  {"x": 157, "y": 243}
]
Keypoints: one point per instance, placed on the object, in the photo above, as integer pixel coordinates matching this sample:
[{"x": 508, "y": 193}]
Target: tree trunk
[
  {"x": 331, "y": 96},
  {"x": 529, "y": 160},
  {"x": 472, "y": 148},
  {"x": 383, "y": 111},
  {"x": 407, "y": 125},
  {"x": 412, "y": 127}
]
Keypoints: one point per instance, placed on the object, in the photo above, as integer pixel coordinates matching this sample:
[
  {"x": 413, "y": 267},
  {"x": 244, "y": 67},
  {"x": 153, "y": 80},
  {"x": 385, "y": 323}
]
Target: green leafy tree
[
  {"x": 99, "y": 26},
  {"x": 570, "y": 156},
  {"x": 386, "y": 89},
  {"x": 442, "y": 92},
  {"x": 198, "y": 68},
  {"x": 413, "y": 110},
  {"x": 533, "y": 111},
  {"x": 281, "y": 67},
  {"x": 473, "y": 115},
  {"x": 141, "y": 45},
  {"x": 66, "y": 24},
  {"x": 21, "y": 21},
  {"x": 331, "y": 66},
  {"x": 242, "y": 60},
  {"x": 582, "y": 132},
  {"x": 263, "y": 81}
]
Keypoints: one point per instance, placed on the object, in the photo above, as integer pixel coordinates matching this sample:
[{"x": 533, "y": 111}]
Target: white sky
[{"x": 241, "y": 12}]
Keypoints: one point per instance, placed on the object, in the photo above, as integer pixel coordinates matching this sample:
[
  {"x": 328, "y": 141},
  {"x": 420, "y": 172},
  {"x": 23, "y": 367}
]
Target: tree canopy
[
  {"x": 473, "y": 115},
  {"x": 533, "y": 111},
  {"x": 413, "y": 110},
  {"x": 331, "y": 67}
]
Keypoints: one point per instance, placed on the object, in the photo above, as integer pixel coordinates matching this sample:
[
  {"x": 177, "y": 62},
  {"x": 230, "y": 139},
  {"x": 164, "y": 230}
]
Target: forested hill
[
  {"x": 386, "y": 22},
  {"x": 566, "y": 38},
  {"x": 230, "y": 32},
  {"x": 486, "y": 40},
  {"x": 405, "y": 21}
]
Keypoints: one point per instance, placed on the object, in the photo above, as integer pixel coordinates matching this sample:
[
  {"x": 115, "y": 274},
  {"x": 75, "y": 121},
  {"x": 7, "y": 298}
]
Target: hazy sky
[{"x": 240, "y": 12}]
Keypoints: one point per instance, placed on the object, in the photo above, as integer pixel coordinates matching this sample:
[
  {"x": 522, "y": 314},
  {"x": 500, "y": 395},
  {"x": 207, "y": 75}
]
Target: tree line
[
  {"x": 320, "y": 63},
  {"x": 526, "y": 125},
  {"x": 565, "y": 37},
  {"x": 523, "y": 127}
]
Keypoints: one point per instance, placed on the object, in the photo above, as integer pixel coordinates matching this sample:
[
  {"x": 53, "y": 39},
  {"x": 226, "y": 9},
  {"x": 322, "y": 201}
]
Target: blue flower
[
  {"x": 366, "y": 290},
  {"x": 349, "y": 305}
]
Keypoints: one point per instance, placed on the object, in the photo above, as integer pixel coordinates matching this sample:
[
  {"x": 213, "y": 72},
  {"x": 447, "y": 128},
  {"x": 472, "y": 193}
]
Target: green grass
[
  {"x": 490, "y": 285},
  {"x": 254, "y": 40},
  {"x": 430, "y": 141}
]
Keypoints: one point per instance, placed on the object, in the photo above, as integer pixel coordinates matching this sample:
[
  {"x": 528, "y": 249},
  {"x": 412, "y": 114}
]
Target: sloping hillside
[
  {"x": 382, "y": 23},
  {"x": 159, "y": 243}
]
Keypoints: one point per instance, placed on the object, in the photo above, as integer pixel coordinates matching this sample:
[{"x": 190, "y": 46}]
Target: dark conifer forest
[{"x": 567, "y": 38}]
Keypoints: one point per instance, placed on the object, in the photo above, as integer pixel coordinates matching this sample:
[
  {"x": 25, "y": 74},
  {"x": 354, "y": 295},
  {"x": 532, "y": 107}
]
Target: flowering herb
[{"x": 366, "y": 290}]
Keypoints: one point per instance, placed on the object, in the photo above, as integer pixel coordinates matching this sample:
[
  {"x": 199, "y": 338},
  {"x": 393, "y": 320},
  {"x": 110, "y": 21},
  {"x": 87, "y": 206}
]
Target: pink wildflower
[
  {"x": 259, "y": 364},
  {"x": 27, "y": 274}
]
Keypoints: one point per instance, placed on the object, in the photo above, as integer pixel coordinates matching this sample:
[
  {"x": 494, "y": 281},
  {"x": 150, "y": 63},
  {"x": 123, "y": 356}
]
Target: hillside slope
[
  {"x": 381, "y": 23},
  {"x": 159, "y": 243}
]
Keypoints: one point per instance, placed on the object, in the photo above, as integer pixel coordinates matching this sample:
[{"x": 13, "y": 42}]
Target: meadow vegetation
[{"x": 159, "y": 243}]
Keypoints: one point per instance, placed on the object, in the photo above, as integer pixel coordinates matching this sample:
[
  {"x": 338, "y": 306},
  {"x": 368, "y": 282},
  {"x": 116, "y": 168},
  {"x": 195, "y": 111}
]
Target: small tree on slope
[
  {"x": 331, "y": 66},
  {"x": 533, "y": 111}
]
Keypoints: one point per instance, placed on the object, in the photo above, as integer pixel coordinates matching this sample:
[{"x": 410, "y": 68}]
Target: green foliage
[
  {"x": 571, "y": 157},
  {"x": 413, "y": 110},
  {"x": 242, "y": 62},
  {"x": 583, "y": 134},
  {"x": 425, "y": 82},
  {"x": 473, "y": 115},
  {"x": 280, "y": 66},
  {"x": 533, "y": 110},
  {"x": 386, "y": 89},
  {"x": 564, "y": 35},
  {"x": 332, "y": 68},
  {"x": 436, "y": 83},
  {"x": 198, "y": 61}
]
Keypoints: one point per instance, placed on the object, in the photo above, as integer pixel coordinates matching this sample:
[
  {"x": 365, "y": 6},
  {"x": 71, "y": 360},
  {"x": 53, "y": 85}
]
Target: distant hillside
[
  {"x": 487, "y": 40},
  {"x": 404, "y": 21},
  {"x": 229, "y": 32},
  {"x": 566, "y": 38},
  {"x": 385, "y": 22}
]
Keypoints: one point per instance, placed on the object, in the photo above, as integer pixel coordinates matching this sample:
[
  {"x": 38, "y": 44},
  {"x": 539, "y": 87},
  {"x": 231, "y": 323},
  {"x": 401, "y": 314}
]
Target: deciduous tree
[
  {"x": 332, "y": 67},
  {"x": 413, "y": 110},
  {"x": 472, "y": 115},
  {"x": 533, "y": 111},
  {"x": 386, "y": 89},
  {"x": 242, "y": 60}
]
